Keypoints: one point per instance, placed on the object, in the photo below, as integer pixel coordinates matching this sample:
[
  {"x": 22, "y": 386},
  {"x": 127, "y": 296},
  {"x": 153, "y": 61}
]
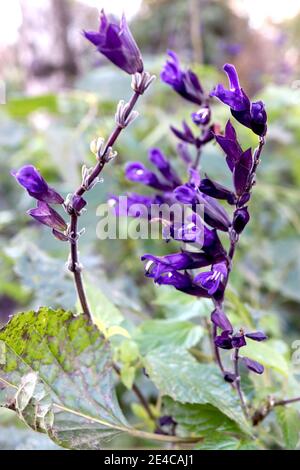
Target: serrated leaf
[
  {"x": 199, "y": 419},
  {"x": 289, "y": 421},
  {"x": 60, "y": 370},
  {"x": 63, "y": 358},
  {"x": 222, "y": 441},
  {"x": 155, "y": 333},
  {"x": 267, "y": 355},
  {"x": 178, "y": 375}
]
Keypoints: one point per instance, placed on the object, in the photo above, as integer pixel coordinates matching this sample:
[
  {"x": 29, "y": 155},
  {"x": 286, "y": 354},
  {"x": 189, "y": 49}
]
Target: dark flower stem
[
  {"x": 266, "y": 409},
  {"x": 216, "y": 350},
  {"x": 198, "y": 157},
  {"x": 234, "y": 238},
  {"x": 238, "y": 382},
  {"x": 74, "y": 266},
  {"x": 74, "y": 260}
]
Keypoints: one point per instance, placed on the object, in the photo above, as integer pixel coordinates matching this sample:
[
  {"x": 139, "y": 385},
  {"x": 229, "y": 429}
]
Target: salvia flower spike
[
  {"x": 205, "y": 271},
  {"x": 116, "y": 42}
]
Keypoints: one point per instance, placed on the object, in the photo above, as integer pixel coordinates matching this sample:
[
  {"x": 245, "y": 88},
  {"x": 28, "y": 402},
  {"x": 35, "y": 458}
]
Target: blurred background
[{"x": 61, "y": 94}]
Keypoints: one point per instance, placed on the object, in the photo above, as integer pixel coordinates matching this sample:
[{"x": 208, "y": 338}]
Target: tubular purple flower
[
  {"x": 240, "y": 219},
  {"x": 252, "y": 115},
  {"x": 183, "y": 152},
  {"x": 230, "y": 145},
  {"x": 29, "y": 177},
  {"x": 157, "y": 265},
  {"x": 44, "y": 214},
  {"x": 186, "y": 135},
  {"x": 219, "y": 318},
  {"x": 242, "y": 171},
  {"x": 78, "y": 203},
  {"x": 186, "y": 194},
  {"x": 211, "y": 281},
  {"x": 158, "y": 159},
  {"x": 214, "y": 214},
  {"x": 122, "y": 206},
  {"x": 116, "y": 42},
  {"x": 202, "y": 116},
  {"x": 252, "y": 365},
  {"x": 217, "y": 190},
  {"x": 185, "y": 83},
  {"x": 256, "y": 336},
  {"x": 182, "y": 282},
  {"x": 235, "y": 97},
  {"x": 138, "y": 173},
  {"x": 227, "y": 340}
]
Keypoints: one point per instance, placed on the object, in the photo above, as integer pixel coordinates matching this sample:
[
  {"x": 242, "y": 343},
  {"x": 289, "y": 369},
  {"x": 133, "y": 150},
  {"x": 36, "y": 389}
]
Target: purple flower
[
  {"x": 240, "y": 219},
  {"x": 44, "y": 214},
  {"x": 202, "y": 116},
  {"x": 130, "y": 204},
  {"x": 29, "y": 177},
  {"x": 252, "y": 115},
  {"x": 78, "y": 203},
  {"x": 230, "y": 145},
  {"x": 186, "y": 135},
  {"x": 216, "y": 190},
  {"x": 117, "y": 44},
  {"x": 227, "y": 340},
  {"x": 214, "y": 214},
  {"x": 158, "y": 159},
  {"x": 219, "y": 318},
  {"x": 183, "y": 152},
  {"x": 185, "y": 83},
  {"x": 252, "y": 365},
  {"x": 213, "y": 280},
  {"x": 157, "y": 265},
  {"x": 242, "y": 171},
  {"x": 182, "y": 282},
  {"x": 138, "y": 173}
]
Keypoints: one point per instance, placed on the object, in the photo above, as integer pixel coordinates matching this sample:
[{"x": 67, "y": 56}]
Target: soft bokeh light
[
  {"x": 117, "y": 7},
  {"x": 10, "y": 21},
  {"x": 11, "y": 14},
  {"x": 260, "y": 11}
]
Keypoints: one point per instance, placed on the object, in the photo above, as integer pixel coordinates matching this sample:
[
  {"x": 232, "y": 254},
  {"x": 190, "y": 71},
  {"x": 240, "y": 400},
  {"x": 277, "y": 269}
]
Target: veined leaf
[
  {"x": 289, "y": 421},
  {"x": 178, "y": 375},
  {"x": 267, "y": 355},
  {"x": 155, "y": 333},
  {"x": 62, "y": 370},
  {"x": 199, "y": 419},
  {"x": 220, "y": 441},
  {"x": 105, "y": 313},
  {"x": 57, "y": 373}
]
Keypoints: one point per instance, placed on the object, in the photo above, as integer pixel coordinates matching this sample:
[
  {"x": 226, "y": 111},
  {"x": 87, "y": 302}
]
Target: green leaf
[
  {"x": 155, "y": 333},
  {"x": 57, "y": 374},
  {"x": 128, "y": 375},
  {"x": 178, "y": 375},
  {"x": 267, "y": 354},
  {"x": 178, "y": 306},
  {"x": 43, "y": 275},
  {"x": 199, "y": 419},
  {"x": 288, "y": 419},
  {"x": 60, "y": 369},
  {"x": 105, "y": 313},
  {"x": 220, "y": 441},
  {"x": 22, "y": 107},
  {"x": 12, "y": 438}
]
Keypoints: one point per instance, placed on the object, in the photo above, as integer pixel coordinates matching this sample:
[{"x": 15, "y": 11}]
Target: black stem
[{"x": 238, "y": 382}]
